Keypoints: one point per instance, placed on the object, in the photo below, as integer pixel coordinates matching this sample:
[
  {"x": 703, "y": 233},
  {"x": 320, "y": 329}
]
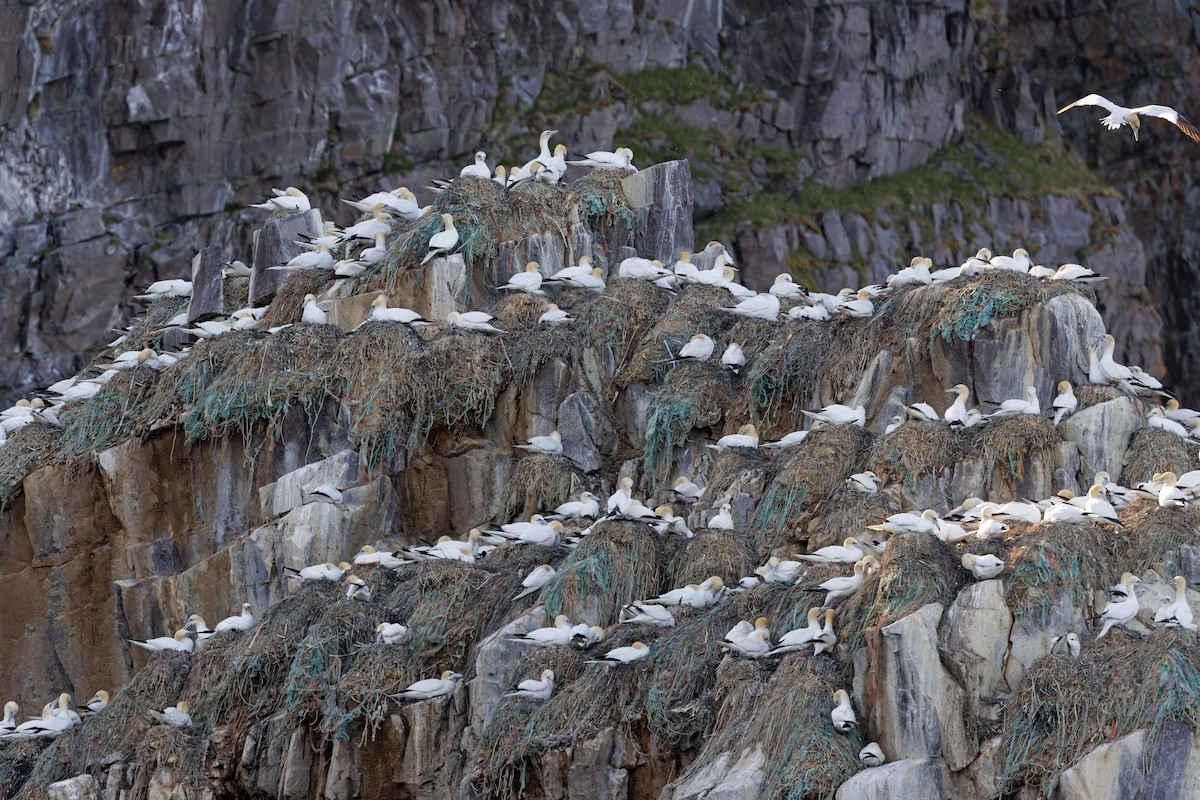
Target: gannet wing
[
  {"x": 1094, "y": 100},
  {"x": 1172, "y": 116}
]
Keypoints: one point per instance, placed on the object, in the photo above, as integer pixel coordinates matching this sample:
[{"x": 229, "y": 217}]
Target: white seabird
[
  {"x": 800, "y": 638},
  {"x": 289, "y": 199},
  {"x": 699, "y": 348},
  {"x": 322, "y": 572},
  {"x": 181, "y": 642},
  {"x": 379, "y": 222},
  {"x": 443, "y": 241},
  {"x": 621, "y": 158},
  {"x": 587, "y": 506},
  {"x": 723, "y": 520},
  {"x": 670, "y": 522},
  {"x": 844, "y": 586},
  {"x": 176, "y": 715},
  {"x": 241, "y": 622},
  {"x": 956, "y": 413},
  {"x": 554, "y": 316},
  {"x": 843, "y": 713},
  {"x": 1170, "y": 495},
  {"x": 529, "y": 281},
  {"x": 390, "y": 633},
  {"x": 1016, "y": 406},
  {"x": 1120, "y": 611},
  {"x": 369, "y": 555},
  {"x": 776, "y": 570},
  {"x": 733, "y": 358},
  {"x": 790, "y": 440},
  {"x": 860, "y": 307},
  {"x": 867, "y": 482},
  {"x": 405, "y": 316},
  {"x": 850, "y": 551},
  {"x": 1177, "y": 613},
  {"x": 686, "y": 490},
  {"x": 477, "y": 168},
  {"x": 97, "y": 703},
  {"x": 906, "y": 522},
  {"x": 871, "y": 755},
  {"x": 620, "y": 499},
  {"x": 839, "y": 415},
  {"x": 983, "y": 567},
  {"x": 536, "y": 688},
  {"x": 1065, "y": 403},
  {"x": 537, "y": 578},
  {"x": 160, "y": 290},
  {"x": 544, "y": 445},
  {"x": 430, "y": 688},
  {"x": 556, "y": 635},
  {"x": 1120, "y": 116},
  {"x": 785, "y": 287},
  {"x": 317, "y": 258},
  {"x": 472, "y": 321},
  {"x": 357, "y": 589},
  {"x": 693, "y": 595},
  {"x": 747, "y": 436},
  {"x": 643, "y": 613},
  {"x": 761, "y": 306},
  {"x": 1068, "y": 645},
  {"x": 624, "y": 655},
  {"x": 312, "y": 312},
  {"x": 815, "y": 312}
]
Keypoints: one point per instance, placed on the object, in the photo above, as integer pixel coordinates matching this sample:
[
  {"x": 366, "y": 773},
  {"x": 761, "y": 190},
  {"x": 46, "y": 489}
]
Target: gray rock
[
  {"x": 660, "y": 200},
  {"x": 729, "y": 776},
  {"x": 208, "y": 295},
  {"x": 81, "y": 787},
  {"x": 835, "y": 235},
  {"x": 910, "y": 779},
  {"x": 274, "y": 245},
  {"x": 584, "y": 428},
  {"x": 1102, "y": 433}
]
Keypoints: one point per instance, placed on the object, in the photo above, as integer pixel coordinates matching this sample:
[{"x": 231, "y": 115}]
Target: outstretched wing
[
  {"x": 1172, "y": 116},
  {"x": 1094, "y": 100}
]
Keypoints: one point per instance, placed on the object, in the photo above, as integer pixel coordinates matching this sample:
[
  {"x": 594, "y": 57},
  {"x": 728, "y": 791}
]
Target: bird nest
[
  {"x": 27, "y": 449},
  {"x": 599, "y": 198},
  {"x": 288, "y": 305},
  {"x": 1153, "y": 450},
  {"x": 617, "y": 563},
  {"x": 1012, "y": 441},
  {"x": 539, "y": 483},
  {"x": 146, "y": 330},
  {"x": 461, "y": 375},
  {"x": 785, "y": 372},
  {"x": 621, "y": 314},
  {"x": 235, "y": 294},
  {"x": 916, "y": 569},
  {"x": 722, "y": 553},
  {"x": 531, "y": 349},
  {"x": 517, "y": 311},
  {"x": 1155, "y": 534},
  {"x": 804, "y": 476},
  {"x": 180, "y": 750},
  {"x": 696, "y": 309},
  {"x": 1053, "y": 558},
  {"x": 1093, "y": 394},
  {"x": 692, "y": 396},
  {"x": 111, "y": 416},
  {"x": 17, "y": 761},
  {"x": 845, "y": 512},
  {"x": 293, "y": 368},
  {"x": 914, "y": 450},
  {"x": 737, "y": 465},
  {"x": 1065, "y": 707}
]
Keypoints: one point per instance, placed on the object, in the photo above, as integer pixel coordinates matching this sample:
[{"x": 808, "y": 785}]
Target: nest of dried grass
[
  {"x": 517, "y": 311},
  {"x": 600, "y": 201},
  {"x": 914, "y": 450},
  {"x": 539, "y": 483},
  {"x": 845, "y": 512},
  {"x": 737, "y": 464},
  {"x": 181, "y": 750},
  {"x": 29, "y": 448},
  {"x": 692, "y": 396},
  {"x": 806, "y": 475},
  {"x": 461, "y": 376},
  {"x": 916, "y": 569},
  {"x": 1053, "y": 557},
  {"x": 785, "y": 372},
  {"x": 532, "y": 349},
  {"x": 235, "y": 294},
  {"x": 722, "y": 553},
  {"x": 696, "y": 309},
  {"x": 111, "y": 416},
  {"x": 621, "y": 314},
  {"x": 1093, "y": 394},
  {"x": 1153, "y": 532},
  {"x": 619, "y": 562},
  {"x": 295, "y": 367},
  {"x": 1064, "y": 707},
  {"x": 1011, "y": 441},
  {"x": 146, "y": 330},
  {"x": 17, "y": 760},
  {"x": 1154, "y": 450},
  {"x": 288, "y": 305}
]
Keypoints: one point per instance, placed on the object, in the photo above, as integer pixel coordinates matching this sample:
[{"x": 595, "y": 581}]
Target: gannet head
[
  {"x": 984, "y": 254},
  {"x": 1135, "y": 123},
  {"x": 292, "y": 191},
  {"x": 681, "y": 480},
  {"x": 1169, "y": 477},
  {"x": 443, "y": 539},
  {"x": 928, "y": 514},
  {"x": 1031, "y": 392},
  {"x": 448, "y": 221},
  {"x": 450, "y": 675},
  {"x": 180, "y": 635},
  {"x": 562, "y": 621},
  {"x": 1180, "y": 583},
  {"x": 871, "y": 564},
  {"x": 1065, "y": 387},
  {"x": 813, "y": 613},
  {"x": 859, "y": 566},
  {"x": 557, "y": 527},
  {"x": 310, "y": 298},
  {"x": 547, "y": 675},
  {"x": 627, "y": 482},
  {"x": 717, "y": 583},
  {"x": 480, "y": 157},
  {"x": 685, "y": 256},
  {"x": 665, "y": 512},
  {"x": 1095, "y": 491},
  {"x": 728, "y": 273},
  {"x": 142, "y": 357},
  {"x": 23, "y": 403},
  {"x": 245, "y": 608},
  {"x": 749, "y": 430},
  {"x": 1172, "y": 404},
  {"x": 532, "y": 266},
  {"x": 829, "y": 619},
  {"x": 851, "y": 543},
  {"x": 453, "y": 315},
  {"x": 343, "y": 566},
  {"x": 597, "y": 272},
  {"x": 379, "y": 302},
  {"x": 102, "y": 696},
  {"x": 560, "y": 151},
  {"x": 501, "y": 173},
  {"x": 639, "y": 646},
  {"x": 968, "y": 560},
  {"x": 11, "y": 708},
  {"x": 534, "y": 168},
  {"x": 368, "y": 549},
  {"x": 783, "y": 277},
  {"x": 585, "y": 261},
  {"x": 762, "y": 571}
]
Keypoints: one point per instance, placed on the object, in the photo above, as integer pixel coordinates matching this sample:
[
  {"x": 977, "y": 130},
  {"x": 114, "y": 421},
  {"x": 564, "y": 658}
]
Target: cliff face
[
  {"x": 136, "y": 133},
  {"x": 190, "y": 490}
]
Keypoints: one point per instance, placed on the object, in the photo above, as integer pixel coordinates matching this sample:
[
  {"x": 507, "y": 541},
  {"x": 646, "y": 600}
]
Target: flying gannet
[{"x": 1120, "y": 116}]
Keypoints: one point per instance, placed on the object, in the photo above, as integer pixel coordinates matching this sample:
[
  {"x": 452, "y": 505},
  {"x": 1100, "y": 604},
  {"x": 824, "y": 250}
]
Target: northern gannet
[
  {"x": 642, "y": 613},
  {"x": 1075, "y": 272},
  {"x": 477, "y": 168},
  {"x": 568, "y": 274},
  {"x": 800, "y": 638},
  {"x": 1119, "y": 116},
  {"x": 546, "y": 534},
  {"x": 623, "y": 655},
  {"x": 443, "y": 241},
  {"x": 536, "y": 689},
  {"x": 1112, "y": 371},
  {"x": 860, "y": 307},
  {"x": 867, "y": 482},
  {"x": 583, "y": 636},
  {"x": 733, "y": 358},
  {"x": 619, "y": 500},
  {"x": 1065, "y": 513},
  {"x": 554, "y": 316},
  {"x": 1120, "y": 611},
  {"x": 983, "y": 567},
  {"x": 537, "y": 578},
  {"x": 544, "y": 445},
  {"x": 686, "y": 491},
  {"x": 1177, "y": 613},
  {"x": 621, "y": 158},
  {"x": 1018, "y": 262},
  {"x": 450, "y": 549},
  {"x": 692, "y": 595},
  {"x": 826, "y": 640},
  {"x": 1099, "y": 508},
  {"x": 349, "y": 268},
  {"x": 894, "y": 423},
  {"x": 318, "y": 258},
  {"x": 816, "y": 312},
  {"x": 871, "y": 755},
  {"x": 289, "y": 199},
  {"x": 312, "y": 312},
  {"x": 850, "y": 551},
  {"x": 1170, "y": 495},
  {"x": 321, "y": 572},
  {"x": 761, "y": 306},
  {"x": 1172, "y": 410},
  {"x": 636, "y": 510},
  {"x": 405, "y": 316},
  {"x": 839, "y": 415},
  {"x": 776, "y": 570},
  {"x": 181, "y": 642},
  {"x": 587, "y": 506},
  {"x": 747, "y": 436},
  {"x": 177, "y": 715},
  {"x": 790, "y": 440},
  {"x": 917, "y": 272},
  {"x": 390, "y": 633},
  {"x": 670, "y": 522},
  {"x": 698, "y": 348},
  {"x": 236, "y": 269},
  {"x": 839, "y": 587},
  {"x": 753, "y": 641},
  {"x": 988, "y": 527},
  {"x": 842, "y": 715},
  {"x": 200, "y": 629},
  {"x": 1017, "y": 511},
  {"x": 97, "y": 703},
  {"x": 10, "y": 718},
  {"x": 1068, "y": 645},
  {"x": 401, "y": 201},
  {"x": 925, "y": 522},
  {"x": 556, "y": 635},
  {"x": 922, "y": 412},
  {"x": 642, "y": 269},
  {"x": 529, "y": 281},
  {"x": 430, "y": 688},
  {"x": 723, "y": 521},
  {"x": 242, "y": 622},
  {"x": 376, "y": 252},
  {"x": 956, "y": 414},
  {"x": 785, "y": 287},
  {"x": 379, "y": 222},
  {"x": 1156, "y": 419},
  {"x": 1014, "y": 407},
  {"x": 357, "y": 589},
  {"x": 554, "y": 167},
  {"x": 325, "y": 493},
  {"x": 160, "y": 290},
  {"x": 1065, "y": 402},
  {"x": 472, "y": 321}
]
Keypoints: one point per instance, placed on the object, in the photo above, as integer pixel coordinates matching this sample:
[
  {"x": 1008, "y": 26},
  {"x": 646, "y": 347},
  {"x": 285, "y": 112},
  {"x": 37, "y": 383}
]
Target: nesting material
[
  {"x": 27, "y": 449},
  {"x": 1065, "y": 707},
  {"x": 1012, "y": 441},
  {"x": 147, "y": 328},
  {"x": 621, "y": 314},
  {"x": 1053, "y": 558},
  {"x": 180, "y": 750},
  {"x": 109, "y": 417},
  {"x": 600, "y": 201},
  {"x": 1093, "y": 394},
  {"x": 17, "y": 761},
  {"x": 692, "y": 396},
  {"x": 723, "y": 553},
  {"x": 736, "y": 464},
  {"x": 805, "y": 475},
  {"x": 845, "y": 512},
  {"x": 532, "y": 349},
  {"x": 914, "y": 450},
  {"x": 235, "y": 294},
  {"x": 786, "y": 370},
  {"x": 461, "y": 376},
  {"x": 293, "y": 368},
  {"x": 696, "y": 309},
  {"x": 288, "y": 305},
  {"x": 1153, "y": 450},
  {"x": 619, "y": 562},
  {"x": 539, "y": 483},
  {"x": 517, "y": 311}
]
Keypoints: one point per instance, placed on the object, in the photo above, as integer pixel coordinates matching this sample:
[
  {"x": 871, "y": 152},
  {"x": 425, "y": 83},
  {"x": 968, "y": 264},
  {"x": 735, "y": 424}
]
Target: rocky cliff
[
  {"x": 189, "y": 489},
  {"x": 135, "y": 134}
]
